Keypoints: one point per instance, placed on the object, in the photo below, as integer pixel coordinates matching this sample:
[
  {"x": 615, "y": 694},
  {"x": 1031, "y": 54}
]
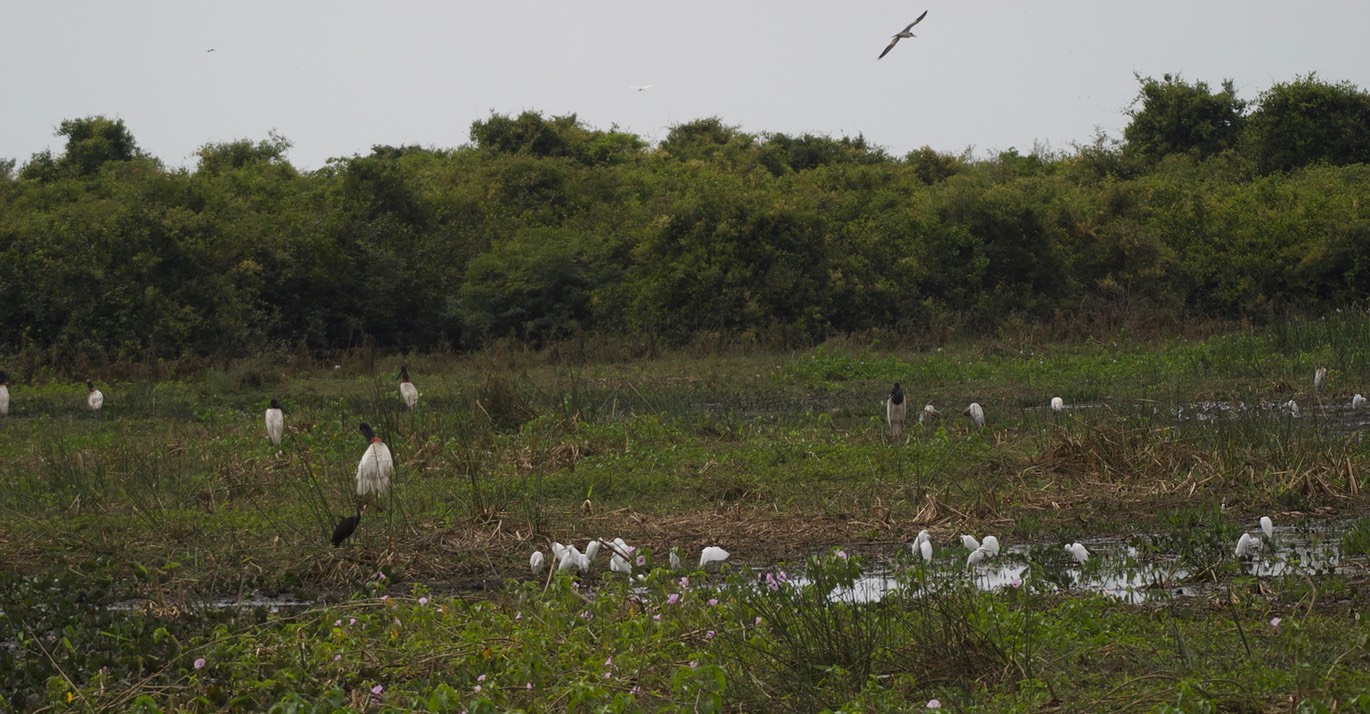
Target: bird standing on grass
[
  {"x": 1058, "y": 404},
  {"x": 275, "y": 422},
  {"x": 4, "y": 393},
  {"x": 895, "y": 408},
  {"x": 902, "y": 34},
  {"x": 407, "y": 388},
  {"x": 373, "y": 471},
  {"x": 976, "y": 414},
  {"x": 346, "y": 527},
  {"x": 712, "y": 554},
  {"x": 928, "y": 414},
  {"x": 95, "y": 399}
]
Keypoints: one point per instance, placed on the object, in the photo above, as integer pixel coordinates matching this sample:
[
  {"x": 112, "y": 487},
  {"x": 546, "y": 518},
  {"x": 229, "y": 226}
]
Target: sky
[{"x": 336, "y": 77}]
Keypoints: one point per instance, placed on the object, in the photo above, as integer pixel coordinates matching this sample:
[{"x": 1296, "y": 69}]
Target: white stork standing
[
  {"x": 95, "y": 399},
  {"x": 373, "y": 471},
  {"x": 407, "y": 388},
  {"x": 4, "y": 393},
  {"x": 275, "y": 422},
  {"x": 895, "y": 408}
]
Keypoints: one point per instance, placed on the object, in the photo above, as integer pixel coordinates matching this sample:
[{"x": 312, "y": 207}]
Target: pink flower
[
  {"x": 606, "y": 675},
  {"x": 673, "y": 599},
  {"x": 519, "y": 615},
  {"x": 1017, "y": 583},
  {"x": 609, "y": 662},
  {"x": 1275, "y": 622},
  {"x": 758, "y": 619},
  {"x": 694, "y": 663},
  {"x": 353, "y": 621},
  {"x": 842, "y": 554},
  {"x": 709, "y": 635},
  {"x": 641, "y": 560},
  {"x": 934, "y": 704},
  {"x": 376, "y": 690},
  {"x": 657, "y": 617},
  {"x": 528, "y": 686},
  {"x": 380, "y": 576},
  {"x": 337, "y": 658},
  {"x": 337, "y": 623},
  {"x": 713, "y": 601},
  {"x": 685, "y": 581},
  {"x": 475, "y": 688},
  {"x": 480, "y": 678},
  {"x": 423, "y": 601},
  {"x": 200, "y": 663}
]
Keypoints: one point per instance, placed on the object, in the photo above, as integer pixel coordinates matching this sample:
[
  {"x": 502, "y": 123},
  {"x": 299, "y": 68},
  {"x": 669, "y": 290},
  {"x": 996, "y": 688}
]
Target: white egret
[
  {"x": 712, "y": 554},
  {"x": 95, "y": 399},
  {"x": 675, "y": 559},
  {"x": 407, "y": 388},
  {"x": 895, "y": 407},
  {"x": 1246, "y": 546},
  {"x": 4, "y": 393},
  {"x": 902, "y": 34},
  {"x": 975, "y": 556},
  {"x": 1078, "y": 551},
  {"x": 1357, "y": 401},
  {"x": 373, "y": 471},
  {"x": 1058, "y": 404},
  {"x": 929, "y": 413},
  {"x": 1268, "y": 527},
  {"x": 976, "y": 414},
  {"x": 557, "y": 551},
  {"x": 570, "y": 559},
  {"x": 619, "y": 564},
  {"x": 275, "y": 422},
  {"x": 991, "y": 546},
  {"x": 622, "y": 548},
  {"x": 591, "y": 550},
  {"x": 925, "y": 550},
  {"x": 922, "y": 536},
  {"x": 969, "y": 542},
  {"x": 346, "y": 527},
  {"x": 536, "y": 562},
  {"x": 1319, "y": 377},
  {"x": 1293, "y": 407}
]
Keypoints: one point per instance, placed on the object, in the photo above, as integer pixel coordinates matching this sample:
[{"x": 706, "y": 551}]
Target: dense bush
[{"x": 545, "y": 229}]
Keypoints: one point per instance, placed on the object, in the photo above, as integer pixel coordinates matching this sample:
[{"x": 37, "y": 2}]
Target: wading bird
[
  {"x": 895, "y": 406},
  {"x": 1058, "y": 404},
  {"x": 1292, "y": 407},
  {"x": 407, "y": 388},
  {"x": 1357, "y": 401},
  {"x": 1268, "y": 527},
  {"x": 619, "y": 564},
  {"x": 1319, "y": 376},
  {"x": 275, "y": 422},
  {"x": 975, "y": 556},
  {"x": 373, "y": 471},
  {"x": 675, "y": 559},
  {"x": 1246, "y": 546},
  {"x": 902, "y": 34},
  {"x": 969, "y": 542},
  {"x": 4, "y": 393},
  {"x": 1078, "y": 551},
  {"x": 976, "y": 414},
  {"x": 535, "y": 562},
  {"x": 346, "y": 527},
  {"x": 95, "y": 399},
  {"x": 991, "y": 546},
  {"x": 925, "y": 550},
  {"x": 712, "y": 554},
  {"x": 929, "y": 413}
]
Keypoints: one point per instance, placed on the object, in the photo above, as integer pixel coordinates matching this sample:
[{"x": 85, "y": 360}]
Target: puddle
[
  {"x": 1115, "y": 568},
  {"x": 270, "y": 604}
]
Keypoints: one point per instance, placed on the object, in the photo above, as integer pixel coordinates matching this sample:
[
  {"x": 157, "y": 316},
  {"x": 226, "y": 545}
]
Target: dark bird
[
  {"x": 902, "y": 34},
  {"x": 209, "y": 50},
  {"x": 895, "y": 408},
  {"x": 346, "y": 527}
]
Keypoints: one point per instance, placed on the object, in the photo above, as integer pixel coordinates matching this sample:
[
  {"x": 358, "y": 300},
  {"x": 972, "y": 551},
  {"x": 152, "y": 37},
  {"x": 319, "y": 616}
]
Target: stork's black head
[
  {"x": 275, "y": 404},
  {"x": 365, "y": 429},
  {"x": 404, "y": 373},
  {"x": 897, "y": 394},
  {"x": 90, "y": 385},
  {"x": 4, "y": 377}
]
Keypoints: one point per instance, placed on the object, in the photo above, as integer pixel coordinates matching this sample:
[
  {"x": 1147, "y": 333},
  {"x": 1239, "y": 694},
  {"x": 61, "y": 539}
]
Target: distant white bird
[
  {"x": 95, "y": 399},
  {"x": 1267, "y": 527},
  {"x": 407, "y": 388},
  {"x": 1078, "y": 552},
  {"x": 570, "y": 560},
  {"x": 991, "y": 546},
  {"x": 925, "y": 550},
  {"x": 975, "y": 556},
  {"x": 895, "y": 407},
  {"x": 535, "y": 562},
  {"x": 675, "y": 559},
  {"x": 591, "y": 550},
  {"x": 619, "y": 564},
  {"x": 1292, "y": 407},
  {"x": 922, "y": 536},
  {"x": 373, "y": 471},
  {"x": 641, "y": 87},
  {"x": 1058, "y": 404},
  {"x": 1357, "y": 401},
  {"x": 969, "y": 542},
  {"x": 712, "y": 554},
  {"x": 275, "y": 422},
  {"x": 1319, "y": 377},
  {"x": 976, "y": 414},
  {"x": 4, "y": 393},
  {"x": 929, "y": 413},
  {"x": 1246, "y": 546},
  {"x": 902, "y": 34}
]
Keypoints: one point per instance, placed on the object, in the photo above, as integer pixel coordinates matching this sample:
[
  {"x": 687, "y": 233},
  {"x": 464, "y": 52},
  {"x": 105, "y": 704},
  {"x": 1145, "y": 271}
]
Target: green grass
[{"x": 173, "y": 496}]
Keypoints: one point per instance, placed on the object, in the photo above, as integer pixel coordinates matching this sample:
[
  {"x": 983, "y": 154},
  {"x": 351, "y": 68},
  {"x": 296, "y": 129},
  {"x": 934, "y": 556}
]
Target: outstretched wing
[
  {"x": 889, "y": 47},
  {"x": 915, "y": 22}
]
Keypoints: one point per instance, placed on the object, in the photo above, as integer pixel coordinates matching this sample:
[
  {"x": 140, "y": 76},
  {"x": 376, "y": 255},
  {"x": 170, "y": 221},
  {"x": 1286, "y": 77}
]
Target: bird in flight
[
  {"x": 641, "y": 88},
  {"x": 902, "y": 34}
]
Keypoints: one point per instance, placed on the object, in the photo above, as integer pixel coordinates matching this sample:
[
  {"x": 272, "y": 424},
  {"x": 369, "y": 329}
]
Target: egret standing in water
[
  {"x": 1246, "y": 546},
  {"x": 95, "y": 399},
  {"x": 4, "y": 393},
  {"x": 1078, "y": 551},
  {"x": 1268, "y": 527},
  {"x": 895, "y": 408},
  {"x": 373, "y": 471},
  {"x": 275, "y": 422},
  {"x": 407, "y": 388}
]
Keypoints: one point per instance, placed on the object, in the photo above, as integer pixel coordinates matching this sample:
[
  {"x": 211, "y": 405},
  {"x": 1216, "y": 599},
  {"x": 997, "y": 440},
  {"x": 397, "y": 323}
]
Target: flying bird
[
  {"x": 902, "y": 34},
  {"x": 95, "y": 399},
  {"x": 895, "y": 408},
  {"x": 407, "y": 388},
  {"x": 275, "y": 422},
  {"x": 641, "y": 88},
  {"x": 373, "y": 471}
]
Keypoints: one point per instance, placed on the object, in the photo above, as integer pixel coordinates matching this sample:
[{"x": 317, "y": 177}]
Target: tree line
[{"x": 543, "y": 229}]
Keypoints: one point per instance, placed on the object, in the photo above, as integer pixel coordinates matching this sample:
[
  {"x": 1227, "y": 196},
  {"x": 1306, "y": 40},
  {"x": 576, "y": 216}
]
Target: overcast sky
[{"x": 336, "y": 77}]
